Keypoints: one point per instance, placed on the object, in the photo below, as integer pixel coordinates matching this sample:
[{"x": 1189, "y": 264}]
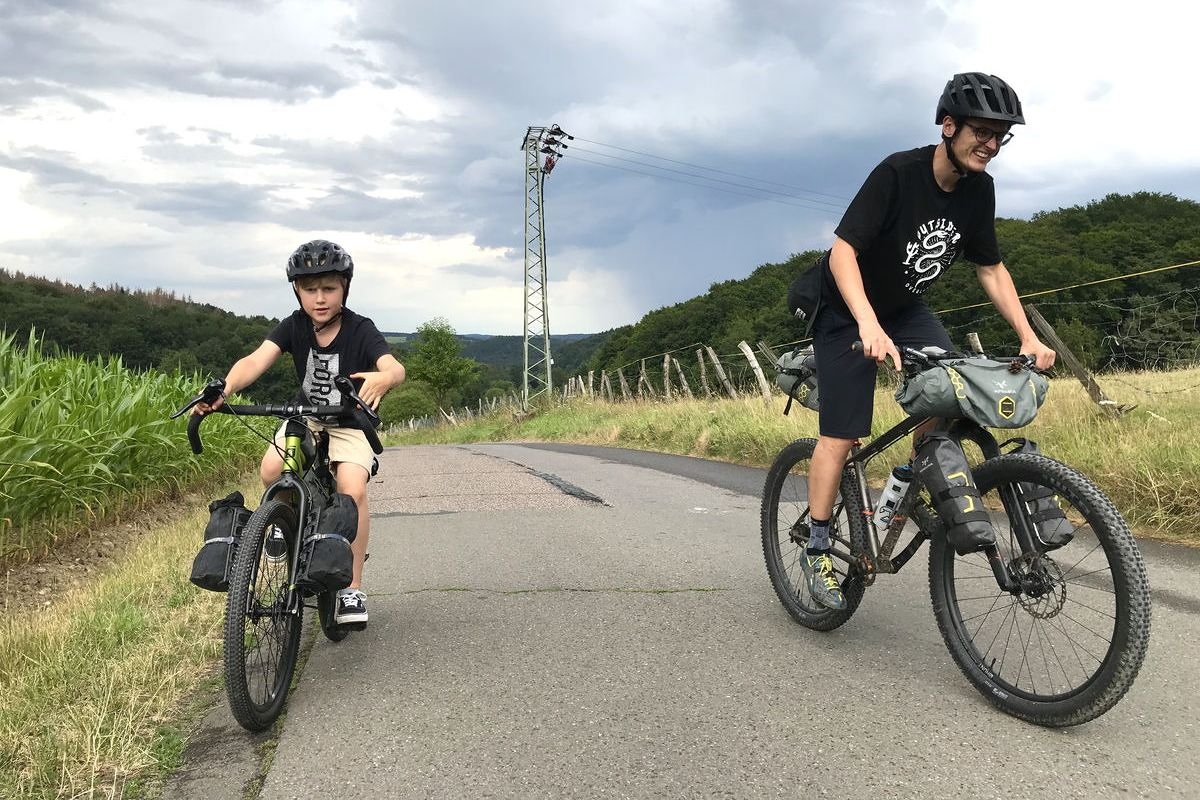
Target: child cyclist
[{"x": 327, "y": 339}]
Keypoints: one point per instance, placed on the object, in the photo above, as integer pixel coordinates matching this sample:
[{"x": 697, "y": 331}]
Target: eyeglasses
[{"x": 985, "y": 135}]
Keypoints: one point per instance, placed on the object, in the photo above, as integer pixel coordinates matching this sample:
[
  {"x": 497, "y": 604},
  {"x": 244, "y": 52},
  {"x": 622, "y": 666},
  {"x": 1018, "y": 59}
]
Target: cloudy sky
[{"x": 192, "y": 145}]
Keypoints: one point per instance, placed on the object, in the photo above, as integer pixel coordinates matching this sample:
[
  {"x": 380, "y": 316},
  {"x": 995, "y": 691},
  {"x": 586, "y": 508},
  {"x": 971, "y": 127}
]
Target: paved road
[{"x": 551, "y": 622}]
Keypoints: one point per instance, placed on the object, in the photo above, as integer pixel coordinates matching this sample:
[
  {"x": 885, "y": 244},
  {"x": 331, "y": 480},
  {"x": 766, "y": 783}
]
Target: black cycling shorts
[{"x": 847, "y": 377}]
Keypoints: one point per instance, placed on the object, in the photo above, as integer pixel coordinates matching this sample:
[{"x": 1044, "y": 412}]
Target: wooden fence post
[
  {"x": 766, "y": 350},
  {"x": 721, "y": 373},
  {"x": 624, "y": 383},
  {"x": 758, "y": 373},
  {"x": 667, "y": 376},
  {"x": 703, "y": 374},
  {"x": 687, "y": 390},
  {"x": 644, "y": 382},
  {"x": 591, "y": 372},
  {"x": 606, "y": 390},
  {"x": 1093, "y": 389}
]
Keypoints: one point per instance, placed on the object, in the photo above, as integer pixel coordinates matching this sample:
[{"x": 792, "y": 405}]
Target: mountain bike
[
  {"x": 266, "y": 599},
  {"x": 1054, "y": 635}
]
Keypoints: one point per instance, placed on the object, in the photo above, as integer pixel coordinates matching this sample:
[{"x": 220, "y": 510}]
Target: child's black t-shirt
[
  {"x": 908, "y": 231},
  {"x": 356, "y": 348}
]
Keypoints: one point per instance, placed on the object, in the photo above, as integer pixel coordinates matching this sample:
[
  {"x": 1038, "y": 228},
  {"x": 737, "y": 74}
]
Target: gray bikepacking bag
[
  {"x": 226, "y": 518},
  {"x": 326, "y": 560},
  {"x": 943, "y": 469},
  {"x": 992, "y": 393},
  {"x": 1047, "y": 516},
  {"x": 797, "y": 377}
]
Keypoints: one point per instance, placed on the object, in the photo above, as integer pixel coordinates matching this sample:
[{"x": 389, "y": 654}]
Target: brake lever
[
  {"x": 211, "y": 391},
  {"x": 346, "y": 387}
]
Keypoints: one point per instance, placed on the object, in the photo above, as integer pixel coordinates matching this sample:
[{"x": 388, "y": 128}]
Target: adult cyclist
[{"x": 916, "y": 213}]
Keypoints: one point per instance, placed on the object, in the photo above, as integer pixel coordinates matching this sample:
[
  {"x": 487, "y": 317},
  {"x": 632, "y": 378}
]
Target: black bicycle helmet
[
  {"x": 979, "y": 95},
  {"x": 319, "y": 257}
]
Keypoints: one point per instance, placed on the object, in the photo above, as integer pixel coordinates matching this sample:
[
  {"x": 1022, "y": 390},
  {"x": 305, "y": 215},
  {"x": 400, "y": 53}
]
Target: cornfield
[{"x": 84, "y": 440}]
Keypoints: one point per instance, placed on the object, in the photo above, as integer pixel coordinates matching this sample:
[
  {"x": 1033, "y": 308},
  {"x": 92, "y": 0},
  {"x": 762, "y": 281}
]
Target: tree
[{"x": 435, "y": 360}]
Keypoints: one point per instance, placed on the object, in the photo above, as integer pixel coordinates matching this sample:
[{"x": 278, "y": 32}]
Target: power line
[
  {"x": 703, "y": 185},
  {"x": 713, "y": 169},
  {"x": 837, "y": 206}
]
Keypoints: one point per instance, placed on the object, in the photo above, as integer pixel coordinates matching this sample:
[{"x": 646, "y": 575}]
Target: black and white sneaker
[{"x": 351, "y": 608}]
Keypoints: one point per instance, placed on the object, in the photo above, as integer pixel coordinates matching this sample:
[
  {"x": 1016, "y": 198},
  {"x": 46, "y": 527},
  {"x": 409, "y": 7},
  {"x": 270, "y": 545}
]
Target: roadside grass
[
  {"x": 96, "y": 688},
  {"x": 1147, "y": 461}
]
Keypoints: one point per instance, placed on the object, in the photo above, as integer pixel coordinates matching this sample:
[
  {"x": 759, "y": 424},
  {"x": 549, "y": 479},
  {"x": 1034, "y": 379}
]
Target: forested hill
[
  {"x": 1146, "y": 321},
  {"x": 161, "y": 330},
  {"x": 155, "y": 329}
]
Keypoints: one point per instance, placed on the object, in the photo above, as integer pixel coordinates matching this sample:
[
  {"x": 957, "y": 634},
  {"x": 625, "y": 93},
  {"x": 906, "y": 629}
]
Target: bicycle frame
[
  {"x": 880, "y": 558},
  {"x": 301, "y": 478}
]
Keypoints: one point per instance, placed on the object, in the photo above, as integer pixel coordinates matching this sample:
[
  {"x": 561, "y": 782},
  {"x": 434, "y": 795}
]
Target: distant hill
[
  {"x": 569, "y": 350},
  {"x": 1133, "y": 323}
]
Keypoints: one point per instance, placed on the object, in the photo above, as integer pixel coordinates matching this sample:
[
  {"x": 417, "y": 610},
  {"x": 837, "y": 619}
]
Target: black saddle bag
[
  {"x": 326, "y": 561},
  {"x": 226, "y": 518},
  {"x": 943, "y": 469}
]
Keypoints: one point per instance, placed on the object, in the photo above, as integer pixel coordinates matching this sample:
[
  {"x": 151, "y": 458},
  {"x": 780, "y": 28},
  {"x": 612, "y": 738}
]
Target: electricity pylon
[{"x": 542, "y": 151}]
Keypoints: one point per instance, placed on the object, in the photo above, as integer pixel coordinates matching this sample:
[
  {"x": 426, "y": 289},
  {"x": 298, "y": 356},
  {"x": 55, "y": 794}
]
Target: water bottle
[{"x": 893, "y": 492}]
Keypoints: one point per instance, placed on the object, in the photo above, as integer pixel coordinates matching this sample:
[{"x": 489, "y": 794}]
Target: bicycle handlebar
[
  {"x": 352, "y": 413},
  {"x": 919, "y": 360}
]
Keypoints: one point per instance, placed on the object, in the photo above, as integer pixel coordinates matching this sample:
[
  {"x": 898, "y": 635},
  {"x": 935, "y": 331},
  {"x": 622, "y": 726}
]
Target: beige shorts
[{"x": 346, "y": 445}]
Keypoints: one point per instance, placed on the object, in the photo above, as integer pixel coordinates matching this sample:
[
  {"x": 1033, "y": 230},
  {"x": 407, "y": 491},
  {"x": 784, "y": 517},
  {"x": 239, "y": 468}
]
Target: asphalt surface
[{"x": 554, "y": 621}]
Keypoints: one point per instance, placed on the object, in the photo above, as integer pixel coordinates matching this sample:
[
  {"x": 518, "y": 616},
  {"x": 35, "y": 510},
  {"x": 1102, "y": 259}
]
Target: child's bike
[
  {"x": 1050, "y": 628},
  {"x": 266, "y": 598}
]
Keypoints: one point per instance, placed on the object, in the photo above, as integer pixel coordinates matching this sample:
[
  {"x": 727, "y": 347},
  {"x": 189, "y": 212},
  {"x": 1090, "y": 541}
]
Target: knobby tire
[
  {"x": 784, "y": 519},
  {"x": 1068, "y": 651},
  {"x": 262, "y": 621}
]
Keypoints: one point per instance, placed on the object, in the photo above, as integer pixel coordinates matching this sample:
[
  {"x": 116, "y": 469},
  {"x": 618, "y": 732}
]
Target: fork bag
[
  {"x": 943, "y": 469},
  {"x": 326, "y": 560},
  {"x": 211, "y": 566},
  {"x": 1042, "y": 504}
]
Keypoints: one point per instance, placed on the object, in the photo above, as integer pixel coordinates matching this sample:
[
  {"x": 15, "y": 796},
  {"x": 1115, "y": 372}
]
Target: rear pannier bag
[
  {"x": 989, "y": 392},
  {"x": 226, "y": 518},
  {"x": 1047, "y": 516},
  {"x": 942, "y": 468},
  {"x": 326, "y": 561},
  {"x": 797, "y": 377}
]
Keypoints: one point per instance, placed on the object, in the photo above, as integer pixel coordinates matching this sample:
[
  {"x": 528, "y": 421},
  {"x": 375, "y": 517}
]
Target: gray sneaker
[{"x": 822, "y": 581}]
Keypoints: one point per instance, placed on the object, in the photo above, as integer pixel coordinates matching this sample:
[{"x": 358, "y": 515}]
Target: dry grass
[
  {"x": 95, "y": 685},
  {"x": 1147, "y": 460}
]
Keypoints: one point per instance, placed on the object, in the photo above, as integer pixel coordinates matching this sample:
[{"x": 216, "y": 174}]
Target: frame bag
[
  {"x": 992, "y": 393},
  {"x": 326, "y": 561},
  {"x": 942, "y": 468},
  {"x": 797, "y": 376},
  {"x": 226, "y": 518},
  {"x": 1051, "y": 524}
]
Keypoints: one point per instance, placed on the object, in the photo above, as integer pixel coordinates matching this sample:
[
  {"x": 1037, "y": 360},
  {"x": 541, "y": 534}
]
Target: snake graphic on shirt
[{"x": 933, "y": 250}]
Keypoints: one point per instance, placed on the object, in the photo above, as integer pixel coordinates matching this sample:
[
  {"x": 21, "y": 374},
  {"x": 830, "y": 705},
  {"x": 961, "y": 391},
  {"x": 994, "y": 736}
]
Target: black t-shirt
[
  {"x": 908, "y": 231},
  {"x": 356, "y": 348}
]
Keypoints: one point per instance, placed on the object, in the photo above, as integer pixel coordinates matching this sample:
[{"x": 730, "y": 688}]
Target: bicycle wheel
[
  {"x": 785, "y": 537},
  {"x": 1068, "y": 646},
  {"x": 262, "y": 618},
  {"x": 325, "y": 610}
]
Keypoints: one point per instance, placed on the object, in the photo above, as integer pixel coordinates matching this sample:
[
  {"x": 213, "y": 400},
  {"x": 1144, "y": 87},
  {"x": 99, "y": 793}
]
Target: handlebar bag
[
  {"x": 942, "y": 468},
  {"x": 980, "y": 389},
  {"x": 227, "y": 517},
  {"x": 1051, "y": 524},
  {"x": 326, "y": 560},
  {"x": 797, "y": 377}
]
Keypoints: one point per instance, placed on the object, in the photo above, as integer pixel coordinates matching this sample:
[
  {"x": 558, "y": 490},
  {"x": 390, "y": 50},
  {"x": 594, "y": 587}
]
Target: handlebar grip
[
  {"x": 369, "y": 431},
  {"x": 194, "y": 433}
]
